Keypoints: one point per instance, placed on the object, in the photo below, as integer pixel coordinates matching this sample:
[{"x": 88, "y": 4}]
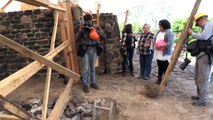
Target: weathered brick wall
[{"x": 31, "y": 28}]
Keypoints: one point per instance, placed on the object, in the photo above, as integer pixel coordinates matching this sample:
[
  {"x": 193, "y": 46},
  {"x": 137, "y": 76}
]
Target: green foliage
[{"x": 136, "y": 27}]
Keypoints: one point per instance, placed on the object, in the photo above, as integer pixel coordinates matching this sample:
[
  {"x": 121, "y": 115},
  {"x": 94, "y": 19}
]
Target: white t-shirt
[{"x": 158, "y": 54}]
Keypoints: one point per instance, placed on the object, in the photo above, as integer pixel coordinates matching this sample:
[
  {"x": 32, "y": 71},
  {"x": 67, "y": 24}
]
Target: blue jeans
[
  {"x": 88, "y": 66},
  {"x": 146, "y": 64}
]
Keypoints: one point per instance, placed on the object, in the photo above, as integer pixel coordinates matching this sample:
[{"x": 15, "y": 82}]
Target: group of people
[{"x": 150, "y": 45}]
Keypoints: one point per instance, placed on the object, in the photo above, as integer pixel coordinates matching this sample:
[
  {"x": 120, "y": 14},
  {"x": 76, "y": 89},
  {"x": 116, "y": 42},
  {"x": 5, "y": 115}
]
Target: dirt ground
[{"x": 129, "y": 92}]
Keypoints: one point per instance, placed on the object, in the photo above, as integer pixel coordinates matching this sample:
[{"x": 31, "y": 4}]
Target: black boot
[{"x": 159, "y": 80}]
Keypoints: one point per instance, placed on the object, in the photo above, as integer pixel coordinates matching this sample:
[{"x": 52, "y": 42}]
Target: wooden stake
[
  {"x": 49, "y": 70},
  {"x": 176, "y": 53},
  {"x": 126, "y": 18}
]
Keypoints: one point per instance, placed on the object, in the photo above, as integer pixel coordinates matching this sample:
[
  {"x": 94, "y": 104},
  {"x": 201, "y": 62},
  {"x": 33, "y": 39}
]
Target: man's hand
[{"x": 190, "y": 31}]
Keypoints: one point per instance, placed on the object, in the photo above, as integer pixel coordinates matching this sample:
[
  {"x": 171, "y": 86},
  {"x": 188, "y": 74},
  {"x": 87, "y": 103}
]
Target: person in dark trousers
[
  {"x": 127, "y": 50},
  {"x": 87, "y": 52},
  {"x": 163, "y": 51},
  {"x": 203, "y": 63},
  {"x": 145, "y": 50}
]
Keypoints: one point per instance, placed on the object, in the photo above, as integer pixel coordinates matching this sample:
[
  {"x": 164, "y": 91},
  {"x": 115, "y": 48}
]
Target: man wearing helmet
[{"x": 202, "y": 66}]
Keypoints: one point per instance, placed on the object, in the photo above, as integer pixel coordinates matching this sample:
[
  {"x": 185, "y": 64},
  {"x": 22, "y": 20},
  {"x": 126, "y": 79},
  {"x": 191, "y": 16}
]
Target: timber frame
[{"x": 62, "y": 16}]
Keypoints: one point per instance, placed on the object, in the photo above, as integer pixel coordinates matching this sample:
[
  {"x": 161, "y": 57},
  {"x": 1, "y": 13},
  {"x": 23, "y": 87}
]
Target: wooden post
[
  {"x": 5, "y": 6},
  {"x": 49, "y": 70},
  {"x": 98, "y": 14},
  {"x": 179, "y": 46},
  {"x": 71, "y": 38},
  {"x": 126, "y": 18},
  {"x": 61, "y": 102}
]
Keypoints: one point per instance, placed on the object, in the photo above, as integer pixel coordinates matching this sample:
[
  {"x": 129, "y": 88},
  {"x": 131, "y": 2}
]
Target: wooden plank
[
  {"x": 15, "y": 110},
  {"x": 13, "y": 81},
  {"x": 8, "y": 117},
  {"x": 5, "y": 6},
  {"x": 61, "y": 102},
  {"x": 98, "y": 15},
  {"x": 49, "y": 70},
  {"x": 64, "y": 38},
  {"x": 43, "y": 3},
  {"x": 35, "y": 56},
  {"x": 176, "y": 53},
  {"x": 126, "y": 18},
  {"x": 71, "y": 37}
]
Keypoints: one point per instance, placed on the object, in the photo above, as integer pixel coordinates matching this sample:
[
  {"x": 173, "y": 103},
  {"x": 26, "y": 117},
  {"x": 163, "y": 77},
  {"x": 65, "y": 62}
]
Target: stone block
[
  {"x": 20, "y": 26},
  {"x": 46, "y": 30},
  {"x": 26, "y": 19},
  {"x": 38, "y": 11},
  {"x": 12, "y": 14},
  {"x": 39, "y": 25},
  {"x": 28, "y": 12},
  {"x": 5, "y": 23}
]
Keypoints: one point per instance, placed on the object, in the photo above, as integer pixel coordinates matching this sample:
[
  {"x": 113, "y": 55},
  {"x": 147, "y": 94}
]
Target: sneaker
[
  {"x": 146, "y": 78},
  {"x": 199, "y": 103},
  {"x": 85, "y": 88},
  {"x": 194, "y": 97},
  {"x": 95, "y": 86}
]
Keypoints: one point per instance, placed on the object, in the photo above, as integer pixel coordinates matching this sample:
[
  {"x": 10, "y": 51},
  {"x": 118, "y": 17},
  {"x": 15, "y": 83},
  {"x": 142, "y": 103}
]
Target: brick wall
[{"x": 31, "y": 28}]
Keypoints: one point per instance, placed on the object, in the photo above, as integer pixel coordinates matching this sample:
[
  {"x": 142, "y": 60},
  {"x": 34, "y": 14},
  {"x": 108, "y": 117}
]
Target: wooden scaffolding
[{"x": 62, "y": 16}]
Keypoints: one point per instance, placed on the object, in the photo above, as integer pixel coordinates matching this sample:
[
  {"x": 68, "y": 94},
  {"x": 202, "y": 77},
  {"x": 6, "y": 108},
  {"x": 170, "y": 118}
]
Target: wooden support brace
[
  {"x": 43, "y": 3},
  {"x": 10, "y": 83},
  {"x": 61, "y": 102},
  {"x": 35, "y": 56},
  {"x": 15, "y": 110},
  {"x": 179, "y": 46},
  {"x": 49, "y": 70},
  {"x": 8, "y": 117},
  {"x": 5, "y": 6},
  {"x": 71, "y": 37}
]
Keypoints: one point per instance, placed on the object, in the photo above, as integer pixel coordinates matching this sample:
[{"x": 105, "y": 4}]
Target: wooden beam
[
  {"x": 176, "y": 53},
  {"x": 15, "y": 110},
  {"x": 49, "y": 70},
  {"x": 43, "y": 3},
  {"x": 64, "y": 38},
  {"x": 13, "y": 81},
  {"x": 126, "y": 18},
  {"x": 61, "y": 102},
  {"x": 35, "y": 56},
  {"x": 5, "y": 6},
  {"x": 98, "y": 14},
  {"x": 8, "y": 117},
  {"x": 71, "y": 37}
]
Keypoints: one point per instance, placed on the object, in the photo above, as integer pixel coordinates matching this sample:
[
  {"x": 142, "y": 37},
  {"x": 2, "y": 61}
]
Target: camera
[{"x": 87, "y": 27}]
